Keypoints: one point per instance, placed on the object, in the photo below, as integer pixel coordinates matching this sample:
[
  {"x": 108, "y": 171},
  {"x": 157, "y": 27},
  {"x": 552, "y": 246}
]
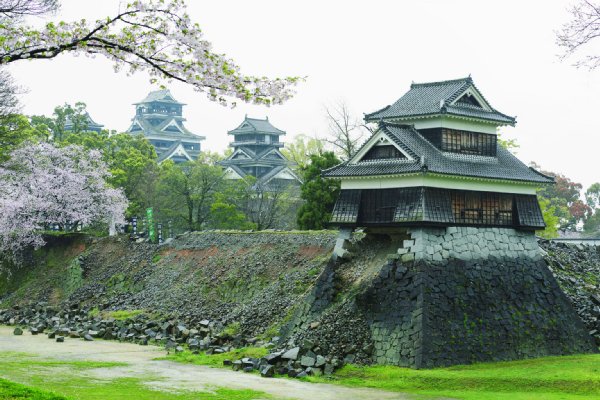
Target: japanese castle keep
[
  {"x": 159, "y": 118},
  {"x": 256, "y": 152},
  {"x": 467, "y": 281}
]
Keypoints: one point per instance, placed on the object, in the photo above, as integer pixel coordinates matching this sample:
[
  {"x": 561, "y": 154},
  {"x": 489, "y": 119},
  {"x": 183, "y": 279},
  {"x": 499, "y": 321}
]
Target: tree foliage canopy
[
  {"x": 301, "y": 149},
  {"x": 320, "y": 194}
]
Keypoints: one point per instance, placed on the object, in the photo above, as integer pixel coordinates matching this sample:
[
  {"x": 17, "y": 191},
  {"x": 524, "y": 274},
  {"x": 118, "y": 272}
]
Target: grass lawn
[
  {"x": 567, "y": 377},
  {"x": 25, "y": 377},
  {"x": 552, "y": 378},
  {"x": 12, "y": 390}
]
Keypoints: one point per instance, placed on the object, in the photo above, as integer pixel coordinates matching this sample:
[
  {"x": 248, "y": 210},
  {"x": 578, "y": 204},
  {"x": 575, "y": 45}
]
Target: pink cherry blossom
[
  {"x": 44, "y": 185},
  {"x": 155, "y": 36}
]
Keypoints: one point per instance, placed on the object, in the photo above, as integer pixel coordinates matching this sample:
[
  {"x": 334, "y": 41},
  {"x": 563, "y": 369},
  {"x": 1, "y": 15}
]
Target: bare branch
[
  {"x": 577, "y": 35},
  {"x": 21, "y": 8},
  {"x": 345, "y": 131}
]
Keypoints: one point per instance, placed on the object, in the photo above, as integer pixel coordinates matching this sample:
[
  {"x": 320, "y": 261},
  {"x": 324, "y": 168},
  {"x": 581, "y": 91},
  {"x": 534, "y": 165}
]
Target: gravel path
[{"x": 174, "y": 376}]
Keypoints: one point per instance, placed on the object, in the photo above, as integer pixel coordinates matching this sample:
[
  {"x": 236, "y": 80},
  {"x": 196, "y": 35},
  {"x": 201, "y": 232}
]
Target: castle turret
[
  {"x": 435, "y": 160},
  {"x": 159, "y": 118},
  {"x": 256, "y": 152}
]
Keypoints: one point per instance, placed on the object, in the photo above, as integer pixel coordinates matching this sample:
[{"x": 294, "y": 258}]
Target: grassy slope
[
  {"x": 568, "y": 377},
  {"x": 67, "y": 380}
]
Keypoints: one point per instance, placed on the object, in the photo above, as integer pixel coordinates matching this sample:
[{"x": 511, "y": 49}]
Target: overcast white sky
[{"x": 366, "y": 53}]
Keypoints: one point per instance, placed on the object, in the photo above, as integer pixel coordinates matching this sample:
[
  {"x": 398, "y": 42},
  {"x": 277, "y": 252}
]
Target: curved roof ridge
[
  {"x": 449, "y": 81},
  {"x": 377, "y": 111}
]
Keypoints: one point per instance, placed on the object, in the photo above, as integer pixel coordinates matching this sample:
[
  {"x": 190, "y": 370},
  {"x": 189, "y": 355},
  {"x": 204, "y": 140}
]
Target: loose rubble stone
[
  {"x": 268, "y": 371},
  {"x": 291, "y": 354}
]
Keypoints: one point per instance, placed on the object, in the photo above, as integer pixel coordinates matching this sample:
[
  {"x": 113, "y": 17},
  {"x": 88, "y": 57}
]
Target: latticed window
[
  {"x": 346, "y": 207},
  {"x": 468, "y": 142},
  {"x": 436, "y": 206},
  {"x": 482, "y": 208},
  {"x": 529, "y": 211},
  {"x": 383, "y": 152}
]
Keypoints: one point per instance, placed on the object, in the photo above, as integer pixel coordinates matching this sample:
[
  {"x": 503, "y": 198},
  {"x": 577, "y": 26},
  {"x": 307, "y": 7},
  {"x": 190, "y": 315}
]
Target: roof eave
[
  {"x": 510, "y": 122},
  {"x": 435, "y": 173}
]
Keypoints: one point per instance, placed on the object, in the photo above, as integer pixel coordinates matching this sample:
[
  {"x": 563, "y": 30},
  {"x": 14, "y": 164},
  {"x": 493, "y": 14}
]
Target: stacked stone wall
[
  {"x": 455, "y": 295},
  {"x": 468, "y": 243}
]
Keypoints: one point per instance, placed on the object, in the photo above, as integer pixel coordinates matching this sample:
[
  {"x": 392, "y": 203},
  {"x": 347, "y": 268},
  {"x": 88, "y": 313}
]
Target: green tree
[
  {"x": 225, "y": 215},
  {"x": 508, "y": 144},
  {"x": 15, "y": 130},
  {"x": 564, "y": 197},
  {"x": 132, "y": 162},
  {"x": 55, "y": 125},
  {"x": 300, "y": 150},
  {"x": 592, "y": 195},
  {"x": 187, "y": 191},
  {"x": 320, "y": 194},
  {"x": 591, "y": 225},
  {"x": 550, "y": 218}
]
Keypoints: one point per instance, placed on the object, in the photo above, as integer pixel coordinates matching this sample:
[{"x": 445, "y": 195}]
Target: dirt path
[{"x": 173, "y": 376}]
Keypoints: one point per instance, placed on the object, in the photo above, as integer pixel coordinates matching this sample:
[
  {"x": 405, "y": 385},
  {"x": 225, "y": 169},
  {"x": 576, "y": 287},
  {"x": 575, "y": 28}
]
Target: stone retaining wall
[
  {"x": 457, "y": 295},
  {"x": 468, "y": 243}
]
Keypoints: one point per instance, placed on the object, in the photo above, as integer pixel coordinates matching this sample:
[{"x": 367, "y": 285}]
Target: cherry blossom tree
[
  {"x": 43, "y": 185},
  {"x": 156, "y": 36}
]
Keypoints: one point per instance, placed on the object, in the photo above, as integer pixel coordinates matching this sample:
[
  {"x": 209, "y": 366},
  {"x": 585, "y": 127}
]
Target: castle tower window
[
  {"x": 383, "y": 152},
  {"x": 465, "y": 142}
]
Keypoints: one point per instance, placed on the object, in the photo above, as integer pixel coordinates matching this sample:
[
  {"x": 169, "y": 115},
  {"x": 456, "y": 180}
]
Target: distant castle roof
[
  {"x": 164, "y": 96},
  {"x": 91, "y": 125},
  {"x": 254, "y": 125},
  {"x": 458, "y": 97}
]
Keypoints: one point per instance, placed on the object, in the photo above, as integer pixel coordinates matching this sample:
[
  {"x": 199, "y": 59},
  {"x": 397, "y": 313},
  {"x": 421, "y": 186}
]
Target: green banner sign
[{"x": 150, "y": 218}]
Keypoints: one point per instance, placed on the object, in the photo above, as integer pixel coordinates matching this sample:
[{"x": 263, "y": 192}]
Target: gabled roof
[
  {"x": 175, "y": 149},
  {"x": 164, "y": 96},
  {"x": 441, "y": 98},
  {"x": 253, "y": 125},
  {"x": 150, "y": 130},
  {"x": 429, "y": 159},
  {"x": 237, "y": 170},
  {"x": 265, "y": 179},
  {"x": 268, "y": 151}
]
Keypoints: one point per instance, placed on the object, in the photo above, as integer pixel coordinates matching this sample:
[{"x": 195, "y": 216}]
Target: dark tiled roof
[
  {"x": 256, "y": 126},
  {"x": 429, "y": 158},
  {"x": 435, "y": 98}
]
